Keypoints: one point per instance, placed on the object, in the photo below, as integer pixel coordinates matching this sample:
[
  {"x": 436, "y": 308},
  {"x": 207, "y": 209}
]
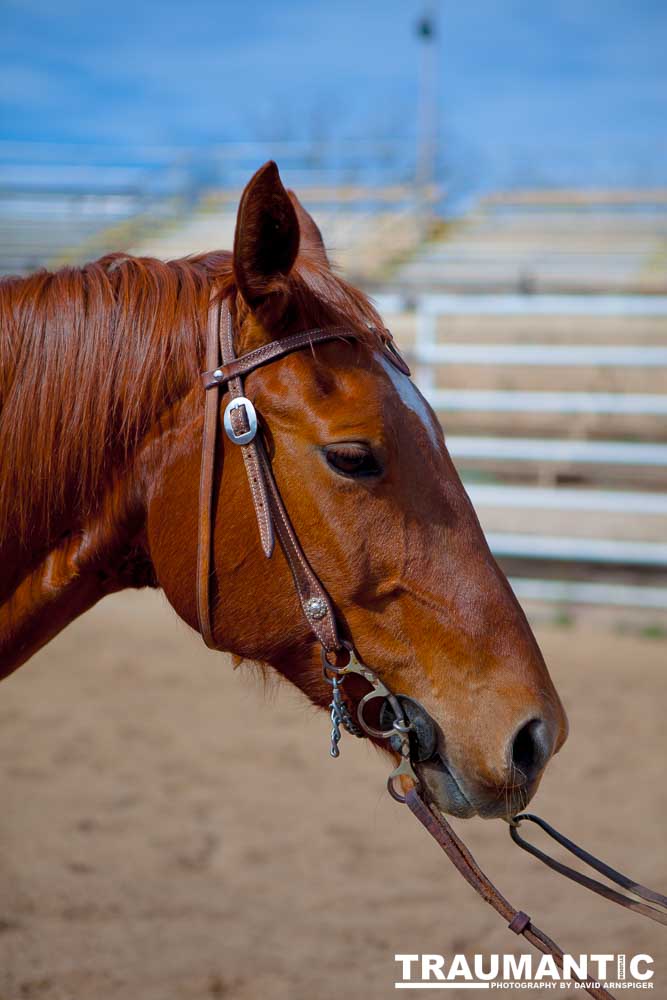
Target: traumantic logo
[{"x": 516, "y": 972}]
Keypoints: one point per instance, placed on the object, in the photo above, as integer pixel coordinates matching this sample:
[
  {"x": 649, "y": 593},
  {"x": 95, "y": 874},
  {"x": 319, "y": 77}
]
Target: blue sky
[{"x": 576, "y": 87}]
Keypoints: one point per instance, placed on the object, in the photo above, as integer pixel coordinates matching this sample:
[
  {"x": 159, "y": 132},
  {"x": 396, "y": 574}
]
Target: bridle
[
  {"x": 241, "y": 424},
  {"x": 409, "y": 721}
]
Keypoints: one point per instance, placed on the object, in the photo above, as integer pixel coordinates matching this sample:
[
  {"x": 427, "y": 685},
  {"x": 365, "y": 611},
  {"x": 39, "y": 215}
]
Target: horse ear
[
  {"x": 266, "y": 241},
  {"x": 311, "y": 237}
]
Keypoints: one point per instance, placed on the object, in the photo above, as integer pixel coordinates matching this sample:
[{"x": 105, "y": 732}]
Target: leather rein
[{"x": 409, "y": 720}]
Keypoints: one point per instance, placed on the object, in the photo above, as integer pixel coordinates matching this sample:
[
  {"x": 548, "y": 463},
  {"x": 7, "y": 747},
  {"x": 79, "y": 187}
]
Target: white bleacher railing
[
  {"x": 562, "y": 450},
  {"x": 431, "y": 350}
]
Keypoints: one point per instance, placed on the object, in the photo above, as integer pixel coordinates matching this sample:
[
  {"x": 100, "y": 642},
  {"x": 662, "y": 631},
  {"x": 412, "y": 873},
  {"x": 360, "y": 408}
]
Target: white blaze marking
[{"x": 412, "y": 398}]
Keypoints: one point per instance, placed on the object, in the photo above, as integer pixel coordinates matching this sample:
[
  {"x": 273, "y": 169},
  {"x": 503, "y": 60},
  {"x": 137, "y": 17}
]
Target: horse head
[{"x": 363, "y": 469}]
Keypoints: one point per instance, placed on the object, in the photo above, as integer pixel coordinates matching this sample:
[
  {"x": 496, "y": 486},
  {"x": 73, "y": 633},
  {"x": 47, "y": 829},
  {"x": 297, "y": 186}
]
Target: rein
[{"x": 409, "y": 730}]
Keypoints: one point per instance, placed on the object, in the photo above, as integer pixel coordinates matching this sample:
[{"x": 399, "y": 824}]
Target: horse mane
[{"x": 90, "y": 357}]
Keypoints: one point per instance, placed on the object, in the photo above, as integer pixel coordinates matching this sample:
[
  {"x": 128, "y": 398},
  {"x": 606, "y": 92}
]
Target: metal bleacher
[
  {"x": 556, "y": 406},
  {"x": 537, "y": 328}
]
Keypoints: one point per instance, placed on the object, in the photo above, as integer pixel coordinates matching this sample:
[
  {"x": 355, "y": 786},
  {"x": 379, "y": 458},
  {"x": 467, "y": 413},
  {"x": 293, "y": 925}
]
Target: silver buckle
[{"x": 251, "y": 416}]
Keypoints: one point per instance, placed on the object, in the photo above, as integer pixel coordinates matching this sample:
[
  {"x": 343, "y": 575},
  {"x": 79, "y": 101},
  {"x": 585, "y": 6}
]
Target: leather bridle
[{"x": 225, "y": 371}]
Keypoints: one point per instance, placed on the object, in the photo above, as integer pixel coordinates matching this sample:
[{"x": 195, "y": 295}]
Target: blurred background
[{"x": 495, "y": 176}]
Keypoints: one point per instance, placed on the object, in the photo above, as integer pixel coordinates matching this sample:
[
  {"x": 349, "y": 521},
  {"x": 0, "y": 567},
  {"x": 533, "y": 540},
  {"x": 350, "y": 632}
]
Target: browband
[{"x": 239, "y": 367}]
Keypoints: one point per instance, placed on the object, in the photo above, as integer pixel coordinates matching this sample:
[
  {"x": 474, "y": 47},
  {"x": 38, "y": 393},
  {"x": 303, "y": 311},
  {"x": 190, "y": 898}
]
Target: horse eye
[{"x": 353, "y": 460}]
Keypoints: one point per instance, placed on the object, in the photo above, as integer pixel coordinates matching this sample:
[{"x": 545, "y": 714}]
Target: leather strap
[
  {"x": 650, "y": 895},
  {"x": 239, "y": 367},
  {"x": 465, "y": 864},
  {"x": 315, "y": 601},
  {"x": 267, "y": 501},
  {"x": 207, "y": 468},
  {"x": 249, "y": 451}
]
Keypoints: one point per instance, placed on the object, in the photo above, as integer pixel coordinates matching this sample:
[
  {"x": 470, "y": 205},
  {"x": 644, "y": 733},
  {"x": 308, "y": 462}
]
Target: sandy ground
[{"x": 170, "y": 830}]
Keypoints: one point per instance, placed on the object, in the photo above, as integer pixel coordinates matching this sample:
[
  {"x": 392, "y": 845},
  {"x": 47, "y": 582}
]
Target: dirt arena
[{"x": 170, "y": 830}]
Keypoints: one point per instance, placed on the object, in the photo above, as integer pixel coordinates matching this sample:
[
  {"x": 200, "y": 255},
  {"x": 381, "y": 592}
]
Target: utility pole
[{"x": 427, "y": 114}]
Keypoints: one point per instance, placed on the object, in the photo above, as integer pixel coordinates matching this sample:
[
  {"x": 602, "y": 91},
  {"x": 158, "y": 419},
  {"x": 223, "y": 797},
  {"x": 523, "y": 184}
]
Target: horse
[{"x": 101, "y": 426}]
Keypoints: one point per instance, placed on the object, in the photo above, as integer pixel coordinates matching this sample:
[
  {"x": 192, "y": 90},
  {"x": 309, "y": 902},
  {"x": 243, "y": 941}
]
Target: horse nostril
[{"x": 531, "y": 748}]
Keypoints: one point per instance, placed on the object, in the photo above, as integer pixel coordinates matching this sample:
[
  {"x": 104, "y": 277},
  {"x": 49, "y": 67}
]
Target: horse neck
[
  {"x": 89, "y": 362},
  {"x": 72, "y": 503},
  {"x": 105, "y": 552}
]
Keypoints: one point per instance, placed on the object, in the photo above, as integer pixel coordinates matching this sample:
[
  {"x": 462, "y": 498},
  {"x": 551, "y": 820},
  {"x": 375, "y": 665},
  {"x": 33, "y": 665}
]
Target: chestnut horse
[{"x": 101, "y": 413}]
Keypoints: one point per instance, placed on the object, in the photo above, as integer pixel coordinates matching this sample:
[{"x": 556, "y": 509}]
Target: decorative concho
[{"x": 316, "y": 608}]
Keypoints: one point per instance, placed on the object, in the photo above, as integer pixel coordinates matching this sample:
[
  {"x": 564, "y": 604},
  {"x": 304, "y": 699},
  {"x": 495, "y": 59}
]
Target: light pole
[{"x": 427, "y": 114}]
